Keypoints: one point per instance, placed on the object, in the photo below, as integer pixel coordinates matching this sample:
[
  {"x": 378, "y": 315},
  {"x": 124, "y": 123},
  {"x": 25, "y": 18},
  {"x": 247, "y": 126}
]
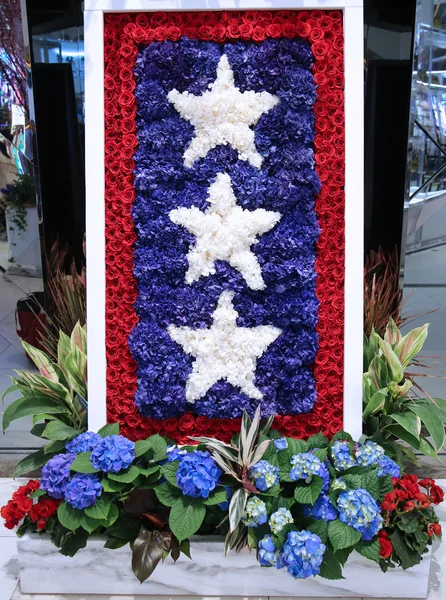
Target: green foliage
[
  {"x": 51, "y": 397},
  {"x": 186, "y": 516},
  {"x": 392, "y": 414}
]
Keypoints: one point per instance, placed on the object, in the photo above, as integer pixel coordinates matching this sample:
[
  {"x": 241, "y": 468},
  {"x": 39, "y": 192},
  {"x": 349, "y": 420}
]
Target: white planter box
[
  {"x": 24, "y": 246},
  {"x": 96, "y": 570}
]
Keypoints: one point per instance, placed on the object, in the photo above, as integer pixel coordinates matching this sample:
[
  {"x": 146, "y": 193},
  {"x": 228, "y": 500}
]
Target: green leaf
[
  {"x": 371, "y": 484},
  {"x": 42, "y": 362},
  {"x": 100, "y": 510},
  {"x": 308, "y": 492},
  {"x": 408, "y": 557},
  {"x": 147, "y": 551},
  {"x": 74, "y": 542},
  {"x": 32, "y": 462},
  {"x": 32, "y": 405},
  {"x": 186, "y": 516},
  {"x": 422, "y": 445},
  {"x": 342, "y": 555},
  {"x": 89, "y": 524},
  {"x": 167, "y": 494},
  {"x": 109, "y": 429},
  {"x": 55, "y": 446},
  {"x": 375, "y": 404},
  {"x": 56, "y": 430},
  {"x": 141, "y": 447},
  {"x": 82, "y": 464},
  {"x": 296, "y": 446},
  {"x": 169, "y": 470},
  {"x": 236, "y": 508},
  {"x": 76, "y": 370},
  {"x": 411, "y": 344},
  {"x": 114, "y": 543},
  {"x": 330, "y": 567},
  {"x": 126, "y": 529},
  {"x": 37, "y": 494},
  {"x": 392, "y": 334},
  {"x": 432, "y": 422},
  {"x": 216, "y": 497},
  {"x": 341, "y": 535},
  {"x": 126, "y": 477},
  {"x": 392, "y": 359},
  {"x": 185, "y": 548},
  {"x": 320, "y": 453},
  {"x": 320, "y": 528},
  {"x": 157, "y": 448},
  {"x": 343, "y": 436},
  {"x": 318, "y": 441},
  {"x": 410, "y": 422},
  {"x": 369, "y": 550},
  {"x": 69, "y": 517},
  {"x": 108, "y": 485}
]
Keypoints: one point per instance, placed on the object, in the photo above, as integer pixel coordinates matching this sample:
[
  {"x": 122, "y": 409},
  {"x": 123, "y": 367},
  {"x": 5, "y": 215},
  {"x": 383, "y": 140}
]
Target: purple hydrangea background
[{"x": 287, "y": 182}]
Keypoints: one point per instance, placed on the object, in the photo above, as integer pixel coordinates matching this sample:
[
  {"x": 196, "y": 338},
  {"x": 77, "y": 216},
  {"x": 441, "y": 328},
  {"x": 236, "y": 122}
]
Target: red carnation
[{"x": 385, "y": 543}]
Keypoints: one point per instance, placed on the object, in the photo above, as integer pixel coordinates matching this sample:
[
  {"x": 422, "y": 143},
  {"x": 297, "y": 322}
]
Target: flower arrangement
[{"x": 303, "y": 506}]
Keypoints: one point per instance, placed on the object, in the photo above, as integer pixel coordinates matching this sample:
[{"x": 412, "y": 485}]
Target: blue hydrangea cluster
[
  {"x": 264, "y": 475},
  {"x": 387, "y": 466},
  {"x": 359, "y": 510},
  {"x": 85, "y": 442},
  {"x": 83, "y": 490},
  {"x": 175, "y": 453},
  {"x": 342, "y": 457},
  {"x": 279, "y": 519},
  {"x": 339, "y": 484},
  {"x": 281, "y": 443},
  {"x": 304, "y": 466},
  {"x": 268, "y": 553},
  {"x": 324, "y": 473},
  {"x": 113, "y": 454},
  {"x": 287, "y": 183},
  {"x": 56, "y": 474},
  {"x": 302, "y": 554},
  {"x": 322, "y": 509},
  {"x": 255, "y": 512},
  {"x": 198, "y": 474},
  {"x": 225, "y": 505},
  {"x": 368, "y": 454}
]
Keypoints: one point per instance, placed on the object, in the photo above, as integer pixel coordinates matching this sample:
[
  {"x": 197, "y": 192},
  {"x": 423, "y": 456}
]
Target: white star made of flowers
[
  {"x": 225, "y": 231},
  {"x": 223, "y": 115},
  {"x": 224, "y": 351}
]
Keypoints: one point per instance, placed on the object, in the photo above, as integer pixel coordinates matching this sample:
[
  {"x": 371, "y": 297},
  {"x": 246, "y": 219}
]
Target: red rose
[
  {"x": 158, "y": 18},
  {"x": 190, "y": 32},
  {"x": 187, "y": 423},
  {"x": 385, "y": 544},
  {"x": 274, "y": 30},
  {"x": 233, "y": 31},
  {"x": 219, "y": 33},
  {"x": 173, "y": 33},
  {"x": 258, "y": 34},
  {"x": 205, "y": 32},
  {"x": 289, "y": 30},
  {"x": 246, "y": 31}
]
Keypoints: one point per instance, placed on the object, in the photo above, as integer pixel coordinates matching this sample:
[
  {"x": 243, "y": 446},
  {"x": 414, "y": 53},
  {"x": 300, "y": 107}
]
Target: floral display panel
[{"x": 224, "y": 159}]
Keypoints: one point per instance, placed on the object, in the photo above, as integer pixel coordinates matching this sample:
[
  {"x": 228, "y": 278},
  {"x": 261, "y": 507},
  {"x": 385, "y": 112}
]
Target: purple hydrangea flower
[
  {"x": 113, "y": 454},
  {"x": 56, "y": 474},
  {"x": 83, "y": 490},
  {"x": 83, "y": 442},
  {"x": 198, "y": 474}
]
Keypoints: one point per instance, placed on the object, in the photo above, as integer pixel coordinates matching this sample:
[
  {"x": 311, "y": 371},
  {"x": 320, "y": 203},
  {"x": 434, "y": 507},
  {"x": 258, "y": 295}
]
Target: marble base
[{"x": 96, "y": 570}]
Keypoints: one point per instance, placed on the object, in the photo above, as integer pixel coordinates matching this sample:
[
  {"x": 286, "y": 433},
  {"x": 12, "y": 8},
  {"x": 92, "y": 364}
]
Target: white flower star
[
  {"x": 223, "y": 115},
  {"x": 224, "y": 232},
  {"x": 224, "y": 351}
]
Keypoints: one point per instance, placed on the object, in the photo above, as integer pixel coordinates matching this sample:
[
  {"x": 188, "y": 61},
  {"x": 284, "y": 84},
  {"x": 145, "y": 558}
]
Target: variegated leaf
[
  {"x": 236, "y": 508},
  {"x": 399, "y": 391},
  {"x": 411, "y": 344},
  {"x": 392, "y": 359},
  {"x": 259, "y": 452},
  {"x": 42, "y": 362},
  {"x": 392, "y": 335},
  {"x": 251, "y": 437}
]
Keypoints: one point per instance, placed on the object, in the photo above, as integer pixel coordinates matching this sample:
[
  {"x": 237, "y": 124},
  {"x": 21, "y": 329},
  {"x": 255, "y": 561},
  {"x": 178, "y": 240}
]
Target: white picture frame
[{"x": 354, "y": 169}]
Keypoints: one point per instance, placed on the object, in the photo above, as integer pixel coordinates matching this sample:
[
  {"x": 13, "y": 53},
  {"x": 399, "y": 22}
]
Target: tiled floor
[
  {"x": 12, "y": 356},
  {"x": 9, "y": 571}
]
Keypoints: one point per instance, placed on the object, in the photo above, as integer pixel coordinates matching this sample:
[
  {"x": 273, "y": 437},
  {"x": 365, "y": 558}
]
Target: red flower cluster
[
  {"x": 385, "y": 543},
  {"x": 123, "y": 34},
  {"x": 22, "y": 505}
]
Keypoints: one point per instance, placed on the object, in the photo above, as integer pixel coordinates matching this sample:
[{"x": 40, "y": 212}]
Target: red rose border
[{"x": 122, "y": 35}]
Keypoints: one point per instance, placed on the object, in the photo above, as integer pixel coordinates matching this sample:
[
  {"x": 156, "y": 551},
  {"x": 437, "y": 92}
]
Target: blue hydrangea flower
[
  {"x": 281, "y": 443},
  {"x": 83, "y": 442},
  {"x": 279, "y": 519},
  {"x": 304, "y": 466},
  {"x": 56, "y": 474},
  {"x": 255, "y": 512},
  {"x": 368, "y": 454},
  {"x": 198, "y": 474},
  {"x": 264, "y": 475},
  {"x": 324, "y": 473},
  {"x": 82, "y": 491},
  {"x": 113, "y": 454},
  {"x": 359, "y": 510},
  {"x": 322, "y": 509},
  {"x": 225, "y": 505},
  {"x": 268, "y": 553},
  {"x": 387, "y": 466},
  {"x": 302, "y": 554},
  {"x": 174, "y": 453},
  {"x": 342, "y": 458}
]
